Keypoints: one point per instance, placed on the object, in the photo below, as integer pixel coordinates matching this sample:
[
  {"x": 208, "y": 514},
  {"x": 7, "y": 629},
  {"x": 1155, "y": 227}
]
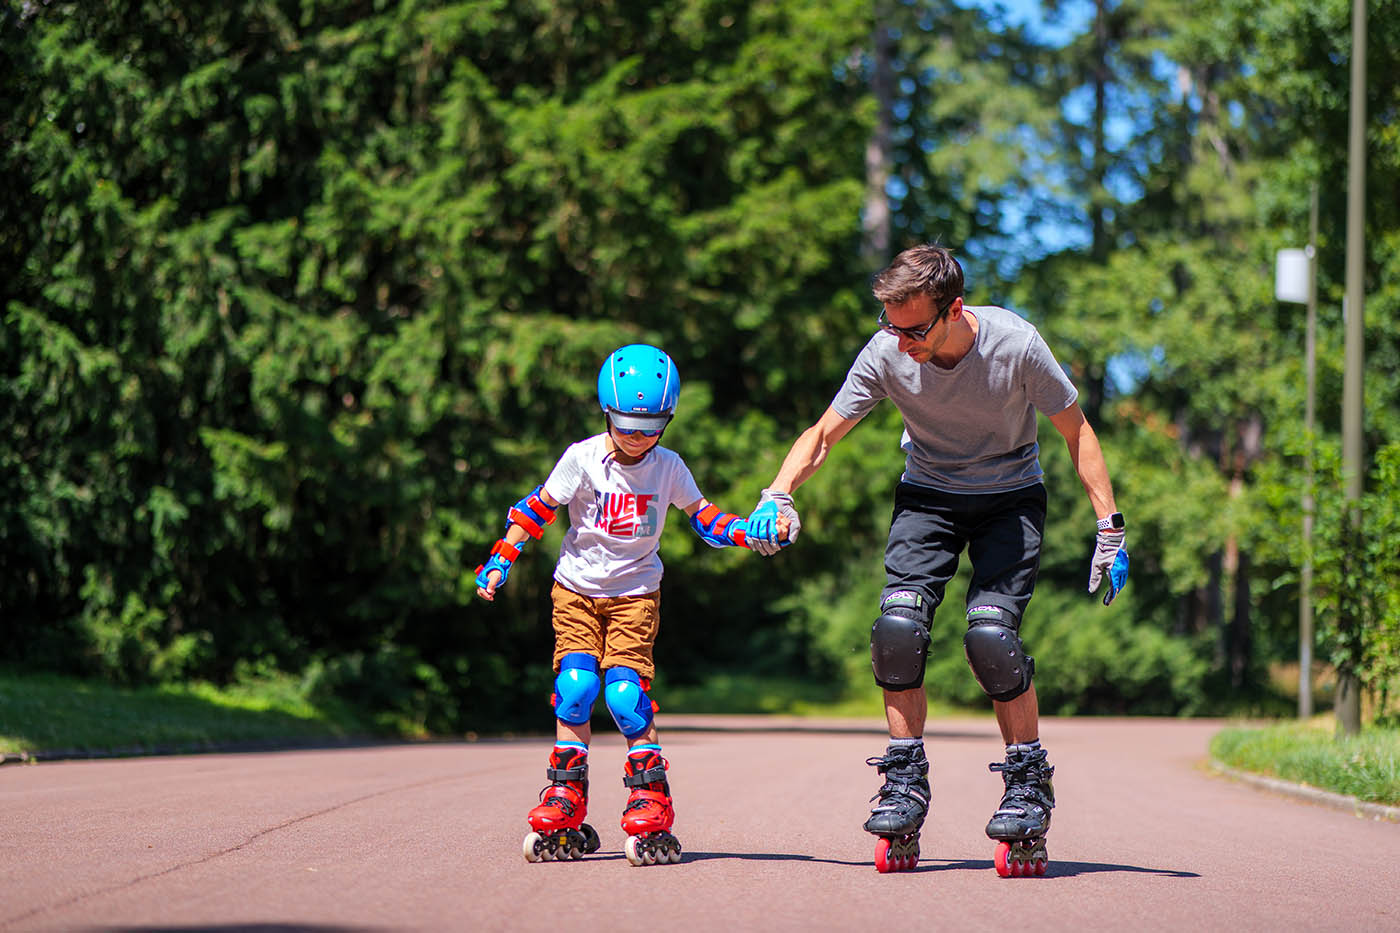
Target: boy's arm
[
  {"x": 526, "y": 519},
  {"x": 722, "y": 529}
]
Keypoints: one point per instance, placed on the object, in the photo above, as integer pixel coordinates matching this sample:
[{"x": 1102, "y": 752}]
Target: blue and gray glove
[
  {"x": 1110, "y": 559},
  {"x": 763, "y": 523}
]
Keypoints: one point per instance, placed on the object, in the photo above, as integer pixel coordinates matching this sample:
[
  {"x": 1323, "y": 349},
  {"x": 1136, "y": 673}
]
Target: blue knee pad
[
  {"x": 627, "y": 701},
  {"x": 576, "y": 688}
]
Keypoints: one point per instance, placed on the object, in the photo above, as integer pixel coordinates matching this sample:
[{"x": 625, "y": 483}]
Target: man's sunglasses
[{"x": 914, "y": 333}]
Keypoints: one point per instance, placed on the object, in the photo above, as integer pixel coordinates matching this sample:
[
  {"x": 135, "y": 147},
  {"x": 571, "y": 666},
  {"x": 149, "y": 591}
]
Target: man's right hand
[{"x": 764, "y": 535}]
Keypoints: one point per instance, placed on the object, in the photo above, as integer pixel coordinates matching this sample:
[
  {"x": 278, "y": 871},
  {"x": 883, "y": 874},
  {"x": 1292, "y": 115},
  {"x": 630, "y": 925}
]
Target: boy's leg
[
  {"x": 578, "y": 644},
  {"x": 630, "y": 640}
]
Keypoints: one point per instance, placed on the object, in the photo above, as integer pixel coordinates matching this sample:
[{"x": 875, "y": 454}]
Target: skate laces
[
  {"x": 646, "y": 775},
  {"x": 1026, "y": 778},
  {"x": 568, "y": 775},
  {"x": 902, "y": 772}
]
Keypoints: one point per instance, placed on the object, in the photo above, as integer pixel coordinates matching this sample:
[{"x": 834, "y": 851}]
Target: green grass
[
  {"x": 1365, "y": 766},
  {"x": 41, "y": 713},
  {"x": 748, "y": 693}
]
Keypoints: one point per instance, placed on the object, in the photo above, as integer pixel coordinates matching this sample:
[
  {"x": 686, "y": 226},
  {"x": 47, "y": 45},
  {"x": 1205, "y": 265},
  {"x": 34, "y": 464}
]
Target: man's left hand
[{"x": 1110, "y": 561}]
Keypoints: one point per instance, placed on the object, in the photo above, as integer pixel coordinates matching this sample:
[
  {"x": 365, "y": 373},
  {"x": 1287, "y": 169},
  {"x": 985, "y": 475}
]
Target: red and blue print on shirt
[{"x": 626, "y": 514}]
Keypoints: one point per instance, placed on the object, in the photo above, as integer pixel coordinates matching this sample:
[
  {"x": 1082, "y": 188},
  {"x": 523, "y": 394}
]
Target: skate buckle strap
[
  {"x": 649, "y": 776},
  {"x": 560, "y": 775}
]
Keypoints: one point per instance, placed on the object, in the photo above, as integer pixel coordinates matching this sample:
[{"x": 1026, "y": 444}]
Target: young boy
[{"x": 607, "y": 600}]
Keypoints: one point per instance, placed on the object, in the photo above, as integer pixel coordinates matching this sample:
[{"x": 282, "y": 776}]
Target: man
[{"x": 968, "y": 381}]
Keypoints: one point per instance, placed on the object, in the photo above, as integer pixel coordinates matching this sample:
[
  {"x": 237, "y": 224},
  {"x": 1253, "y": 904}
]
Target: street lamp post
[
  {"x": 1296, "y": 281},
  {"x": 1348, "y": 705}
]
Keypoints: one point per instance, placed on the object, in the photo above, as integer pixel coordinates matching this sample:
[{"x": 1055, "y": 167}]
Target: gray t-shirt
[{"x": 969, "y": 429}]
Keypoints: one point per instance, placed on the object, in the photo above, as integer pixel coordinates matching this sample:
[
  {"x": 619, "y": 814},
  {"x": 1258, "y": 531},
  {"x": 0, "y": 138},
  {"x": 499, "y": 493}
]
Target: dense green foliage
[{"x": 302, "y": 294}]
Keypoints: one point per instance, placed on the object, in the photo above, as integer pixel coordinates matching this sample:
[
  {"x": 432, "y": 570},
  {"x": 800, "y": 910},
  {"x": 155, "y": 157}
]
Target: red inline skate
[
  {"x": 649, "y": 814},
  {"x": 557, "y": 823}
]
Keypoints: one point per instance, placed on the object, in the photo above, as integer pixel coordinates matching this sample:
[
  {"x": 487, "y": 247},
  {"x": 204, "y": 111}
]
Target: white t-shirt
[{"x": 616, "y": 514}]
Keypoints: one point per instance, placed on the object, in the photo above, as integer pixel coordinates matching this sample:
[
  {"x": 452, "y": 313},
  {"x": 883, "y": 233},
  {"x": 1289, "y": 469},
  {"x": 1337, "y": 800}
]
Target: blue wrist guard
[
  {"x": 720, "y": 529},
  {"x": 502, "y": 556}
]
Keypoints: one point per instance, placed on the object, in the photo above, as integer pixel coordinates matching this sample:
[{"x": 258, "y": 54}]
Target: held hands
[
  {"x": 1110, "y": 560},
  {"x": 765, "y": 534}
]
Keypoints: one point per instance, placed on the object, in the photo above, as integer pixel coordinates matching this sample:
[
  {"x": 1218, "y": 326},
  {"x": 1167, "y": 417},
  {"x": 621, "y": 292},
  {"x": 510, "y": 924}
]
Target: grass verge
[
  {"x": 1365, "y": 766},
  {"x": 748, "y": 693},
  {"x": 44, "y": 713}
]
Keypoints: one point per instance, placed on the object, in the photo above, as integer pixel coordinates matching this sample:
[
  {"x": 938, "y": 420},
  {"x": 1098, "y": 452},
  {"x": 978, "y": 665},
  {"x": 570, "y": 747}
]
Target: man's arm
[
  {"x": 1110, "y": 559},
  {"x": 1088, "y": 459},
  {"x": 775, "y": 505},
  {"x": 810, "y": 449}
]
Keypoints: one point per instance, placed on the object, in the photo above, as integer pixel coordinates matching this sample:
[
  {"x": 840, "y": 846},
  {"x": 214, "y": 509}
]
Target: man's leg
[
  {"x": 1019, "y": 719},
  {"x": 905, "y": 711}
]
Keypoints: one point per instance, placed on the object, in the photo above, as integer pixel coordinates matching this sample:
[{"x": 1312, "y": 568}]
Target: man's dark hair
[{"x": 920, "y": 270}]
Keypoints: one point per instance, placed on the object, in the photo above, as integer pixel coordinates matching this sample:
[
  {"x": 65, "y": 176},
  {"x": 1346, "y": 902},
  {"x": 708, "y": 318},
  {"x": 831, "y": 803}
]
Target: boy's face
[{"x": 634, "y": 445}]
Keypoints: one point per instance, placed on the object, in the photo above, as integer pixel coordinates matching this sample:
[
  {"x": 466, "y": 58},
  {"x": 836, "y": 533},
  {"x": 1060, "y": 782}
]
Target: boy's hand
[
  {"x": 493, "y": 573},
  {"x": 493, "y": 580}
]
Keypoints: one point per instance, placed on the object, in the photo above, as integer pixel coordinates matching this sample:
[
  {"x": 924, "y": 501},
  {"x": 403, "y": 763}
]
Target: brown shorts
[{"x": 620, "y": 631}]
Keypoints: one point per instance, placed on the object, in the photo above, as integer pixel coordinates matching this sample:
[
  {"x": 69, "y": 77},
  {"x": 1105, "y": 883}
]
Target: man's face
[{"x": 916, "y": 314}]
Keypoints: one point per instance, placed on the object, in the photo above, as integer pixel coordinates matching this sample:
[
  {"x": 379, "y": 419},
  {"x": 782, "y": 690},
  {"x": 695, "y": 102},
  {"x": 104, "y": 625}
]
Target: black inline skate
[
  {"x": 903, "y": 804},
  {"x": 1023, "y": 819}
]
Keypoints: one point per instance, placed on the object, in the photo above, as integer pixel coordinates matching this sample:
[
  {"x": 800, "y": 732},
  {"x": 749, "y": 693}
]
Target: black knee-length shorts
[{"x": 1001, "y": 533}]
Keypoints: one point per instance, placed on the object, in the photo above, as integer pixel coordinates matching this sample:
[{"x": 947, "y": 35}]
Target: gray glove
[
  {"x": 1110, "y": 560},
  {"x": 763, "y": 522}
]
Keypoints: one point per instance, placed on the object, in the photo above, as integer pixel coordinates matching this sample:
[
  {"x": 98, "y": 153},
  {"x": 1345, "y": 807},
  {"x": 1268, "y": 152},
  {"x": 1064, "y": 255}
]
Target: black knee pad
[
  {"x": 995, "y": 654},
  {"x": 899, "y": 642}
]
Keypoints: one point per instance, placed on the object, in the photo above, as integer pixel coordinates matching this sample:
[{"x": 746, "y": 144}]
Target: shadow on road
[
  {"x": 241, "y": 928},
  {"x": 1053, "y": 870},
  {"x": 689, "y": 856}
]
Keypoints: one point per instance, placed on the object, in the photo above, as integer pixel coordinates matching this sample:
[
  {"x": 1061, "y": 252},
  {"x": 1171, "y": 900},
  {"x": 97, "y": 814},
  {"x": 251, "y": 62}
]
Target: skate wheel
[
  {"x": 591, "y": 842},
  {"x": 1001, "y": 860},
  {"x": 676, "y": 854},
  {"x": 1040, "y": 865},
  {"x": 533, "y": 847},
  {"x": 883, "y": 863},
  {"x": 574, "y": 852},
  {"x": 631, "y": 850}
]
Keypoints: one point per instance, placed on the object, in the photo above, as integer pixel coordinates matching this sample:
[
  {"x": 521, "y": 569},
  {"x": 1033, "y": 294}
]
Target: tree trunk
[{"x": 879, "y": 157}]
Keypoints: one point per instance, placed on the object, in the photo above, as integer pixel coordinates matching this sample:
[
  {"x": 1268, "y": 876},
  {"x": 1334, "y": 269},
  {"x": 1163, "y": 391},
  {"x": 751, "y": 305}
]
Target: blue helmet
[{"x": 638, "y": 387}]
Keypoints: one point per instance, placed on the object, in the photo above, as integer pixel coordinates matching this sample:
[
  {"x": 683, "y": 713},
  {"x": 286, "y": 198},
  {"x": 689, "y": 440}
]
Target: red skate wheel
[
  {"x": 1000, "y": 860},
  {"x": 1040, "y": 866},
  {"x": 882, "y": 857}
]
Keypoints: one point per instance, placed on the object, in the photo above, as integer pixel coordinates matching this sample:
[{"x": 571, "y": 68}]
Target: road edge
[{"x": 1359, "y": 808}]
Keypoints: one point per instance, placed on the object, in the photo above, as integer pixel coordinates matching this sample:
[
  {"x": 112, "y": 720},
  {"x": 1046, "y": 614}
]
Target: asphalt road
[{"x": 428, "y": 837}]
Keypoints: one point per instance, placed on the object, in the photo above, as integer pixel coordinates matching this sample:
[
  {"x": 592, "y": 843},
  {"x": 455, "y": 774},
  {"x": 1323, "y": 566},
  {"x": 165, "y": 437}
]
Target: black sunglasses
[{"x": 914, "y": 333}]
